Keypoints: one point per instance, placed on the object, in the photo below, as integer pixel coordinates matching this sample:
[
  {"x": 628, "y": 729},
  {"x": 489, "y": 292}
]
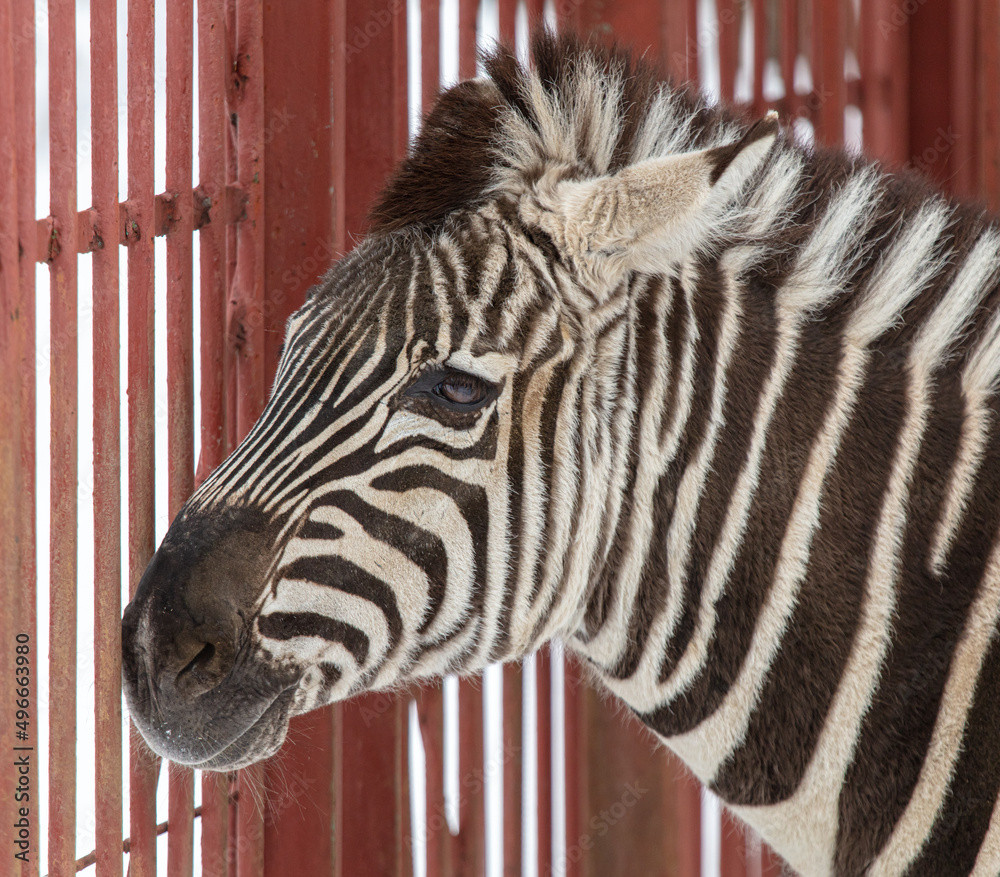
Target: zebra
[{"x": 616, "y": 365}]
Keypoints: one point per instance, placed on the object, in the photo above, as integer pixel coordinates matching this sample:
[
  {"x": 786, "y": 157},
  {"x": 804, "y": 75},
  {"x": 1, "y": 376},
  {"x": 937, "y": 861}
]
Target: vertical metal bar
[
  {"x": 988, "y": 126},
  {"x": 536, "y": 9},
  {"x": 180, "y": 356},
  {"x": 215, "y": 824},
  {"x": 180, "y": 331},
  {"x": 212, "y": 132},
  {"x": 790, "y": 48},
  {"x": 298, "y": 96},
  {"x": 932, "y": 85},
  {"x": 733, "y": 852},
  {"x": 729, "y": 39},
  {"x": 250, "y": 822},
  {"x": 512, "y": 769},
  {"x": 470, "y": 845},
  {"x": 828, "y": 33},
  {"x": 962, "y": 116},
  {"x": 884, "y": 58},
  {"x": 107, "y": 439},
  {"x": 577, "y": 766},
  {"x": 248, "y": 282},
  {"x": 760, "y": 48},
  {"x": 687, "y": 807},
  {"x": 680, "y": 41},
  {"x": 180, "y": 819},
  {"x": 508, "y": 18},
  {"x": 467, "y": 10},
  {"x": 430, "y": 711},
  {"x": 139, "y": 229},
  {"x": 370, "y": 127},
  {"x": 15, "y": 816},
  {"x": 543, "y": 689},
  {"x": 63, "y": 459},
  {"x": 430, "y": 53},
  {"x": 375, "y": 836},
  {"x": 213, "y": 129},
  {"x": 23, "y": 354}
]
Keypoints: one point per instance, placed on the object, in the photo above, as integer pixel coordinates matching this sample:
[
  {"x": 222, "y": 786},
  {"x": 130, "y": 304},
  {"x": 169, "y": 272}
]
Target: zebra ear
[{"x": 649, "y": 214}]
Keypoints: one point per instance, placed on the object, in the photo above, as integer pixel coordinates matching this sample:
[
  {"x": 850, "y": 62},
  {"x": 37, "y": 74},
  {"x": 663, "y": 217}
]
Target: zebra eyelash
[{"x": 443, "y": 387}]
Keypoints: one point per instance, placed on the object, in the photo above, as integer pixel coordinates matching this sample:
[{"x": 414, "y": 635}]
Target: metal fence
[{"x": 301, "y": 112}]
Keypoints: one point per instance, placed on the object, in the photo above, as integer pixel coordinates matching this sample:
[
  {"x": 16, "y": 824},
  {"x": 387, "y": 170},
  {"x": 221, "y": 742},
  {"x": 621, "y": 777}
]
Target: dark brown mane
[{"x": 452, "y": 164}]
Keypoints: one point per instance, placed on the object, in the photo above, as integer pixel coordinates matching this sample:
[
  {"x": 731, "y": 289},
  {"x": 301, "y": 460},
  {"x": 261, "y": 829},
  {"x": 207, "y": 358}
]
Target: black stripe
[
  {"x": 421, "y": 547},
  {"x": 473, "y": 504},
  {"x": 319, "y": 530},
  {"x": 547, "y": 428},
  {"x": 515, "y": 486},
  {"x": 963, "y": 821},
  {"x": 801, "y": 683},
  {"x": 708, "y": 304},
  {"x": 602, "y": 589},
  {"x": 288, "y": 625},
  {"x": 342, "y": 575},
  {"x": 931, "y": 616},
  {"x": 797, "y": 418}
]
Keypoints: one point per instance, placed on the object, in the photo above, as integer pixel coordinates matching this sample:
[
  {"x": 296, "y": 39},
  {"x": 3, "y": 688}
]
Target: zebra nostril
[
  {"x": 204, "y": 671},
  {"x": 201, "y": 661}
]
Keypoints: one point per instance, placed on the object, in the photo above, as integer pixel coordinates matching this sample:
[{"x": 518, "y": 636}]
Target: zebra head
[{"x": 417, "y": 496}]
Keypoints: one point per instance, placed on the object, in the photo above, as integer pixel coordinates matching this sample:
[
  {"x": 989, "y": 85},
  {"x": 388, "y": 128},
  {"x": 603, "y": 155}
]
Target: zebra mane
[{"x": 592, "y": 109}]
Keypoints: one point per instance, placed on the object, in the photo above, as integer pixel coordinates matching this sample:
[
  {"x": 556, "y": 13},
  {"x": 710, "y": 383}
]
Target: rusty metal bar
[
  {"x": 180, "y": 816},
  {"x": 513, "y": 692},
  {"x": 375, "y": 788},
  {"x": 680, "y": 40},
  {"x": 247, "y": 294},
  {"x": 733, "y": 847},
  {"x": 23, "y": 352},
  {"x": 215, "y": 860},
  {"x": 988, "y": 123},
  {"x": 250, "y": 822},
  {"x": 543, "y": 690},
  {"x": 729, "y": 44},
  {"x": 213, "y": 129},
  {"x": 298, "y": 96},
  {"x": 430, "y": 53},
  {"x": 577, "y": 792},
  {"x": 166, "y": 215},
  {"x": 469, "y": 850},
  {"x": 370, "y": 129},
  {"x": 687, "y": 810},
  {"x": 16, "y": 814},
  {"x": 63, "y": 447},
  {"x": 143, "y": 766},
  {"x": 430, "y": 711},
  {"x": 508, "y": 18},
  {"x": 107, "y": 441},
  {"x": 467, "y": 10},
  {"x": 760, "y": 49},
  {"x": 535, "y": 9},
  {"x": 180, "y": 357},
  {"x": 789, "y": 36},
  {"x": 962, "y": 115},
  {"x": 828, "y": 35}
]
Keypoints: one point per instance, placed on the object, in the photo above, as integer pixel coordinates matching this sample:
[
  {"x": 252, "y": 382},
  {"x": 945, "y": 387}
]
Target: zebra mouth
[{"x": 261, "y": 740}]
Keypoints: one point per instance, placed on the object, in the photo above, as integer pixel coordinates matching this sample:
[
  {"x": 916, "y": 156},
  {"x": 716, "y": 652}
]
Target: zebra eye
[
  {"x": 463, "y": 389},
  {"x": 453, "y": 390}
]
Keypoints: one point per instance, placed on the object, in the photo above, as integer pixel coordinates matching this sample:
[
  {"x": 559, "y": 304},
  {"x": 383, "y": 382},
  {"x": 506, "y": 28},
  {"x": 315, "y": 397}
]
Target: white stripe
[
  {"x": 682, "y": 526},
  {"x": 914, "y": 827},
  {"x": 988, "y": 861}
]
